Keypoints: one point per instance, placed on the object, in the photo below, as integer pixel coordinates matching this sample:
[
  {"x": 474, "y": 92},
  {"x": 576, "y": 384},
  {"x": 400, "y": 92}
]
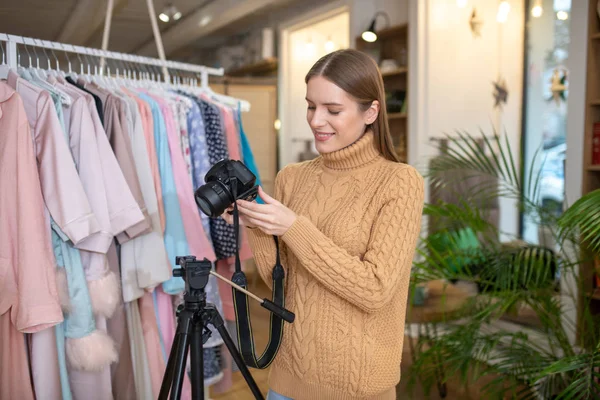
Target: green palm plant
[{"x": 463, "y": 245}]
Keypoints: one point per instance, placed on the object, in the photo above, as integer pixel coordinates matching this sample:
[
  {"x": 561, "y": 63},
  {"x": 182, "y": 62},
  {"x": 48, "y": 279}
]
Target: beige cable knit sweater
[{"x": 348, "y": 259}]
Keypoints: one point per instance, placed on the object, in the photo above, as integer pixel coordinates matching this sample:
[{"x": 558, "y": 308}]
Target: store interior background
[{"x": 455, "y": 52}]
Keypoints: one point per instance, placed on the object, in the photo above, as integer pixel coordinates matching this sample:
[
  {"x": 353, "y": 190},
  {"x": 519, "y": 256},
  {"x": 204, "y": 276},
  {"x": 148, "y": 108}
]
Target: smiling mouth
[{"x": 323, "y": 135}]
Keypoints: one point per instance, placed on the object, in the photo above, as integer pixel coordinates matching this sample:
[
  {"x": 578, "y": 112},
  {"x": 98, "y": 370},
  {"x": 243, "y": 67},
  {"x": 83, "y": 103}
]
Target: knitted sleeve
[
  {"x": 371, "y": 281},
  {"x": 263, "y": 245}
]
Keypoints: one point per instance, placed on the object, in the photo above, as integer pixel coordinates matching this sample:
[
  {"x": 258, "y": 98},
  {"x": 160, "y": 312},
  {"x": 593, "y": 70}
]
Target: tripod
[{"x": 193, "y": 317}]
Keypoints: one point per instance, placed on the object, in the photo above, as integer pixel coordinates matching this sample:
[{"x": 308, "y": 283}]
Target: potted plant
[{"x": 463, "y": 244}]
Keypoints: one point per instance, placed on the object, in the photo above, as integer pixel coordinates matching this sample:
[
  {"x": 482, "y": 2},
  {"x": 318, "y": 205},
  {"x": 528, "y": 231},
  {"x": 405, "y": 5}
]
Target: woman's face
[{"x": 334, "y": 116}]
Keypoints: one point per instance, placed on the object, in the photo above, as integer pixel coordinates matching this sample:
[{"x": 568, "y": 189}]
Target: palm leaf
[
  {"x": 465, "y": 157},
  {"x": 508, "y": 278},
  {"x": 584, "y": 216},
  {"x": 583, "y": 371}
]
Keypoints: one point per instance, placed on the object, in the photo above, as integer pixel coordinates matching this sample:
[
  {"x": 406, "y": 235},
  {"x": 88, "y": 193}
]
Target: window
[{"x": 545, "y": 106}]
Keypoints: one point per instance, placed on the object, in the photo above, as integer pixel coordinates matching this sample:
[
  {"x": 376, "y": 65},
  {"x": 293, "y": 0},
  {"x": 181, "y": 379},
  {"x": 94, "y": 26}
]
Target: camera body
[{"x": 226, "y": 182}]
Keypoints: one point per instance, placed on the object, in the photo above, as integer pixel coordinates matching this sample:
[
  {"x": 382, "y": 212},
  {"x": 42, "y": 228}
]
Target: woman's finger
[
  {"x": 267, "y": 199},
  {"x": 228, "y": 218},
  {"x": 257, "y": 215},
  {"x": 258, "y": 223},
  {"x": 244, "y": 206}
]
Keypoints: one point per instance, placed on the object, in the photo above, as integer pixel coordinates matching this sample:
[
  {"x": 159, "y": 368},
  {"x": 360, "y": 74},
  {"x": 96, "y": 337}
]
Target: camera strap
[{"x": 242, "y": 310}]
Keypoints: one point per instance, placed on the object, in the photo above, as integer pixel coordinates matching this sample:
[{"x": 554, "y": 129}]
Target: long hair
[{"x": 358, "y": 75}]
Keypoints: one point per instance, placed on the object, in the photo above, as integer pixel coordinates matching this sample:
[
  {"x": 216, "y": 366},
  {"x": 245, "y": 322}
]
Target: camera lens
[{"x": 213, "y": 198}]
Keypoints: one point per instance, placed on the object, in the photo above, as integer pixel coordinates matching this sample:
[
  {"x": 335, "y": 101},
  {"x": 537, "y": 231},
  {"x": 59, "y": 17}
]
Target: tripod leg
[
  {"x": 197, "y": 356},
  {"x": 217, "y": 321},
  {"x": 168, "y": 378},
  {"x": 177, "y": 357}
]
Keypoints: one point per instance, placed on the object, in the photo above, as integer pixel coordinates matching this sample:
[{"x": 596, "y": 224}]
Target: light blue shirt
[{"x": 174, "y": 235}]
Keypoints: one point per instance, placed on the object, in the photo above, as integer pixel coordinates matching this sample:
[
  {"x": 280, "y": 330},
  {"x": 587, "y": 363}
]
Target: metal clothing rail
[{"x": 13, "y": 40}]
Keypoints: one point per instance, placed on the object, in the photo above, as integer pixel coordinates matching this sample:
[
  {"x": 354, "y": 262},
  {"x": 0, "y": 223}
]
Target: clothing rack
[
  {"x": 201, "y": 70},
  {"x": 11, "y": 61}
]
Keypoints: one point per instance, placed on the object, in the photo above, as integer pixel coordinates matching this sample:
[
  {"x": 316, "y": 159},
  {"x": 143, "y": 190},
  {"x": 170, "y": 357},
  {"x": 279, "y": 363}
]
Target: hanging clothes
[
  {"x": 29, "y": 301},
  {"x": 109, "y": 171},
  {"x": 223, "y": 235}
]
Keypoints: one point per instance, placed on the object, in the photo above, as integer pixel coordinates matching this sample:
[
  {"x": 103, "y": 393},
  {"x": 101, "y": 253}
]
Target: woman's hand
[
  {"x": 229, "y": 218},
  {"x": 273, "y": 218}
]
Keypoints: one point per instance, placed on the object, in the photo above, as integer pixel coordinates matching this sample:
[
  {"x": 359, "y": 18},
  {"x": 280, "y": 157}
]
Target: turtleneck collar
[{"x": 358, "y": 154}]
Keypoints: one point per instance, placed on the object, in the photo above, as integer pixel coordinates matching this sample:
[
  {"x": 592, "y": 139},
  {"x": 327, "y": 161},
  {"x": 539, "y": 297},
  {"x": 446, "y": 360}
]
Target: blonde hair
[{"x": 358, "y": 75}]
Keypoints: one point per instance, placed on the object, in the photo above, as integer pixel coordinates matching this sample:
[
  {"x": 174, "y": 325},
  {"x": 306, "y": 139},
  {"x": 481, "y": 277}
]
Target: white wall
[{"x": 451, "y": 74}]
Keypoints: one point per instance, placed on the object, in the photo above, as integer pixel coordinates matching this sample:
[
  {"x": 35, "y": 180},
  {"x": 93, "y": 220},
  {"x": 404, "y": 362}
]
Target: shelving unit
[
  {"x": 392, "y": 44},
  {"x": 591, "y": 172},
  {"x": 264, "y": 67}
]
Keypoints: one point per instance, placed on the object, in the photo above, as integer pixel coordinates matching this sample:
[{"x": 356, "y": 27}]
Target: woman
[{"x": 348, "y": 223}]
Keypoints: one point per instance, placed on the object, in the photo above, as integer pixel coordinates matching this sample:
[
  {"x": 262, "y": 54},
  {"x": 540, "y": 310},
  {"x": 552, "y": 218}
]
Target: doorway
[{"x": 302, "y": 44}]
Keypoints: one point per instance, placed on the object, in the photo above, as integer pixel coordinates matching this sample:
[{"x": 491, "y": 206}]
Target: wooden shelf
[
  {"x": 595, "y": 295},
  {"x": 392, "y": 32},
  {"x": 392, "y": 44},
  {"x": 395, "y": 72},
  {"x": 591, "y": 179},
  {"x": 261, "y": 67},
  {"x": 397, "y": 116}
]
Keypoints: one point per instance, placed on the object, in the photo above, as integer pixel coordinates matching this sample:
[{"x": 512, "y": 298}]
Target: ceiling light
[
  {"x": 369, "y": 35},
  {"x": 536, "y": 10},
  {"x": 329, "y": 45},
  {"x": 461, "y": 3},
  {"x": 169, "y": 12},
  {"x": 562, "y": 15},
  {"x": 503, "y": 10},
  {"x": 205, "y": 20}
]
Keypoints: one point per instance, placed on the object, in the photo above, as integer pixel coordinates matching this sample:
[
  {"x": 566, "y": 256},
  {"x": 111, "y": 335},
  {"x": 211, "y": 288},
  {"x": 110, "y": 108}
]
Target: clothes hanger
[
  {"x": 109, "y": 78},
  {"x": 41, "y": 78},
  {"x": 117, "y": 79},
  {"x": 145, "y": 74},
  {"x": 225, "y": 99},
  {"x": 45, "y": 73},
  {"x": 4, "y": 67},
  {"x": 37, "y": 72},
  {"x": 98, "y": 76},
  {"x": 81, "y": 74},
  {"x": 131, "y": 76},
  {"x": 57, "y": 71},
  {"x": 156, "y": 78},
  {"x": 70, "y": 73},
  {"x": 21, "y": 69},
  {"x": 87, "y": 76}
]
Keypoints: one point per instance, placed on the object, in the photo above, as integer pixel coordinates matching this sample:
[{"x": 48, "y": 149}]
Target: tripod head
[{"x": 195, "y": 274}]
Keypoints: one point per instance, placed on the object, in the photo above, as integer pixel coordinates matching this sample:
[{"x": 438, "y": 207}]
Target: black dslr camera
[{"x": 226, "y": 182}]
